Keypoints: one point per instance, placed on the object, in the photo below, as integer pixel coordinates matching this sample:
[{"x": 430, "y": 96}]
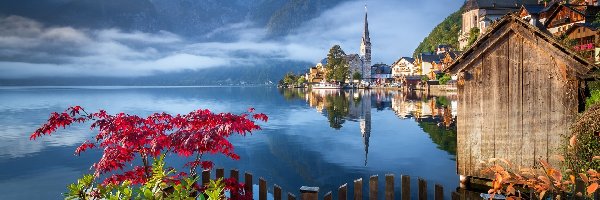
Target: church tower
[{"x": 365, "y": 50}]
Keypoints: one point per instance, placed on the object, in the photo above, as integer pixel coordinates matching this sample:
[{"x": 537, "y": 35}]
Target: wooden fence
[{"x": 312, "y": 193}]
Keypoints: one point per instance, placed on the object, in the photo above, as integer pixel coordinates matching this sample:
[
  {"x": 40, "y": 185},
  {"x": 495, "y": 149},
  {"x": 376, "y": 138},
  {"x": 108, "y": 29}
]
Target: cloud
[{"x": 31, "y": 49}]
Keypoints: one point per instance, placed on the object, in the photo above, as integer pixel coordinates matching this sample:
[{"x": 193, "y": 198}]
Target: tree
[
  {"x": 289, "y": 79},
  {"x": 444, "y": 78},
  {"x": 130, "y": 143},
  {"x": 301, "y": 80},
  {"x": 357, "y": 76},
  {"x": 337, "y": 66},
  {"x": 473, "y": 35}
]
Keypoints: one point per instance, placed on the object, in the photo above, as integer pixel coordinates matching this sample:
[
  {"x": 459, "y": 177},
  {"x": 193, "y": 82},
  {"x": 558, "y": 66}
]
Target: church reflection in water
[{"x": 435, "y": 114}]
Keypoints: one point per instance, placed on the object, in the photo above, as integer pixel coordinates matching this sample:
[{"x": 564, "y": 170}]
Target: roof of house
[
  {"x": 512, "y": 23},
  {"x": 409, "y": 59},
  {"x": 430, "y": 58},
  {"x": 533, "y": 9},
  {"x": 454, "y": 54},
  {"x": 413, "y": 77},
  {"x": 585, "y": 10},
  {"x": 381, "y": 69},
  {"x": 497, "y": 4},
  {"x": 577, "y": 25}
]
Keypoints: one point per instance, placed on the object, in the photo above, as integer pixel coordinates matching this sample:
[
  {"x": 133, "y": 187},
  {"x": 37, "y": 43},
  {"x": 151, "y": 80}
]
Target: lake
[{"x": 313, "y": 138}]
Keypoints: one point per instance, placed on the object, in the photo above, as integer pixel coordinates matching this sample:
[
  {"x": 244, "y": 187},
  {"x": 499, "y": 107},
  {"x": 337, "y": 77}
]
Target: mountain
[
  {"x": 444, "y": 33},
  {"x": 189, "y": 18},
  {"x": 253, "y": 75}
]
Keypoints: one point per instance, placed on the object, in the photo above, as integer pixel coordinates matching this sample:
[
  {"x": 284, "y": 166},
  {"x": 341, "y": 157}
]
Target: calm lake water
[{"x": 313, "y": 138}]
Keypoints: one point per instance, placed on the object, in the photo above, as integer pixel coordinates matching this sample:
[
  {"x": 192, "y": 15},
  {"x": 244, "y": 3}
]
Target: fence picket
[
  {"x": 405, "y": 187},
  {"x": 358, "y": 186},
  {"x": 389, "y": 187}
]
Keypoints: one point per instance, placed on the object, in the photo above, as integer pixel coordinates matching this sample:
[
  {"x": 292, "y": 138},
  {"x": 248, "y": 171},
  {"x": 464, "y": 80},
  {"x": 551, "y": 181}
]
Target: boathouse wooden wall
[{"x": 517, "y": 96}]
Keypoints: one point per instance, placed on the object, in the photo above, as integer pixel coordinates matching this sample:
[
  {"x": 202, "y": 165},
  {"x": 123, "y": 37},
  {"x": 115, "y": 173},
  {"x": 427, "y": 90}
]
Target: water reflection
[
  {"x": 436, "y": 115},
  {"x": 374, "y": 132}
]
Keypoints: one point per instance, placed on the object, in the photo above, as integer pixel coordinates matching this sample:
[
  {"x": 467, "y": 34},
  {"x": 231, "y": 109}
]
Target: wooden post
[
  {"x": 422, "y": 189},
  {"x": 309, "y": 193},
  {"x": 262, "y": 189},
  {"x": 248, "y": 183},
  {"x": 373, "y": 187},
  {"x": 343, "y": 192},
  {"x": 328, "y": 196},
  {"x": 439, "y": 192},
  {"x": 276, "y": 192},
  {"x": 205, "y": 177},
  {"x": 220, "y": 173},
  {"x": 291, "y": 196},
  {"x": 389, "y": 187},
  {"x": 405, "y": 188},
  {"x": 235, "y": 174},
  {"x": 358, "y": 186},
  {"x": 455, "y": 196}
]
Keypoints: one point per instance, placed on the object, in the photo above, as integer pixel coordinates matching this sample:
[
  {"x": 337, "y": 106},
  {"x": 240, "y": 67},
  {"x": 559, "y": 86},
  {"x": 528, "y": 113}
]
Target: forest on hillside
[{"x": 444, "y": 33}]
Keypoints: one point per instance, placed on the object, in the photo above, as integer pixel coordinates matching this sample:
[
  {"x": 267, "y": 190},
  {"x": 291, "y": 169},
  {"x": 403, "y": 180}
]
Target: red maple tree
[{"x": 124, "y": 138}]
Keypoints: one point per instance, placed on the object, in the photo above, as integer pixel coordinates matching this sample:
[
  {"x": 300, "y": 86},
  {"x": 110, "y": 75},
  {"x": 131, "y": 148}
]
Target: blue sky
[{"x": 29, "y": 48}]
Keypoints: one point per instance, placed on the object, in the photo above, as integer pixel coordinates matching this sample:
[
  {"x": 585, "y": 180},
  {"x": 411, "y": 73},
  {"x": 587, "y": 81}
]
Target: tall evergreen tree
[{"x": 337, "y": 66}]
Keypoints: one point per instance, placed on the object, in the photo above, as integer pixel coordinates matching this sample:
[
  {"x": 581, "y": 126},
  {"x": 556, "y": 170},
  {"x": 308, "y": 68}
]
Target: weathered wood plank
[
  {"x": 220, "y": 173},
  {"x": 455, "y": 196},
  {"x": 373, "y": 187},
  {"x": 235, "y": 174},
  {"x": 504, "y": 139},
  {"x": 248, "y": 182},
  {"x": 309, "y": 193},
  {"x": 328, "y": 196},
  {"x": 538, "y": 120},
  {"x": 482, "y": 138},
  {"x": 343, "y": 192},
  {"x": 389, "y": 187},
  {"x": 515, "y": 94},
  {"x": 291, "y": 196},
  {"x": 422, "y": 189},
  {"x": 528, "y": 147},
  {"x": 405, "y": 195},
  {"x": 205, "y": 177},
  {"x": 439, "y": 192},
  {"x": 262, "y": 189},
  {"x": 276, "y": 192},
  {"x": 358, "y": 189}
]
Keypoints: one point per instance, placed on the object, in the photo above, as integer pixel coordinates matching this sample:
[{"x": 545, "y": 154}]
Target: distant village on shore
[{"x": 572, "y": 23}]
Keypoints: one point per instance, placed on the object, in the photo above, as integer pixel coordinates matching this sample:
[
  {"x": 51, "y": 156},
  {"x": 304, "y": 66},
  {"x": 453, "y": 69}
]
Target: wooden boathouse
[{"x": 519, "y": 90}]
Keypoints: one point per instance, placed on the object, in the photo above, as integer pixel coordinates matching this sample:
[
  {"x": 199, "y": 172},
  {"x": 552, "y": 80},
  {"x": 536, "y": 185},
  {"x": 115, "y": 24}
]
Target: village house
[
  {"x": 428, "y": 65},
  {"x": 317, "y": 73},
  {"x": 533, "y": 13},
  {"x": 519, "y": 90},
  {"x": 381, "y": 73},
  {"x": 403, "y": 67},
  {"x": 584, "y": 39},
  {"x": 566, "y": 15},
  {"x": 481, "y": 13}
]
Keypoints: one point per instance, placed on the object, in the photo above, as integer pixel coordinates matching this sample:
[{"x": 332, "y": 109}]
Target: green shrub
[
  {"x": 584, "y": 143},
  {"x": 592, "y": 99}
]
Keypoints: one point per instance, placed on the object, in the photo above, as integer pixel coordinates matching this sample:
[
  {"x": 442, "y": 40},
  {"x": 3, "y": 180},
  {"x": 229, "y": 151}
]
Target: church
[{"x": 360, "y": 63}]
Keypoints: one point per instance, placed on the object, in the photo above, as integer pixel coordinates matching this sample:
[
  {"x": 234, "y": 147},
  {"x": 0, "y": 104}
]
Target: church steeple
[{"x": 365, "y": 49}]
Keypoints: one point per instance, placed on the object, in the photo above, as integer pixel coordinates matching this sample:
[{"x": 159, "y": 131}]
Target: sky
[{"x": 31, "y": 49}]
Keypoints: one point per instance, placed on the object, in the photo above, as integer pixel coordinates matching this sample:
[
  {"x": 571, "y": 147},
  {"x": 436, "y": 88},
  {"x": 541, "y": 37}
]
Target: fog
[{"x": 31, "y": 49}]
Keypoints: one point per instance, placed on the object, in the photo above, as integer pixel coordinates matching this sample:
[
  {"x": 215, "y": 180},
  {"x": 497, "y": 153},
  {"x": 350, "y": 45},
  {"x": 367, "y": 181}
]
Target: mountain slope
[
  {"x": 190, "y": 18},
  {"x": 444, "y": 33}
]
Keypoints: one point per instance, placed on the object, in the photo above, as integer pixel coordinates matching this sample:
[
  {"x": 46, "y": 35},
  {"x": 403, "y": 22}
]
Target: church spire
[
  {"x": 366, "y": 37},
  {"x": 365, "y": 49}
]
